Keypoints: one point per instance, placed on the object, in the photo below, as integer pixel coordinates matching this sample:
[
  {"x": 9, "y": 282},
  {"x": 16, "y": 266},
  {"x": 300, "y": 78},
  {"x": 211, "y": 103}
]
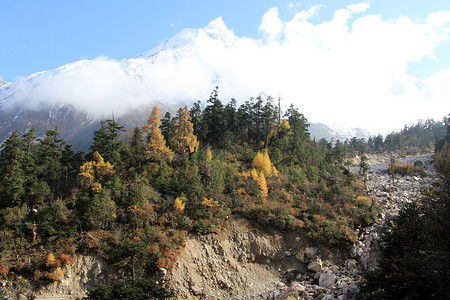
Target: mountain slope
[{"x": 75, "y": 96}]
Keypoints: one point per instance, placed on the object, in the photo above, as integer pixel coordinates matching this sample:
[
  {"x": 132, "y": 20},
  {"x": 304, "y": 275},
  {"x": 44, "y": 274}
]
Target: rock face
[
  {"x": 85, "y": 273},
  {"x": 240, "y": 260},
  {"x": 244, "y": 261}
]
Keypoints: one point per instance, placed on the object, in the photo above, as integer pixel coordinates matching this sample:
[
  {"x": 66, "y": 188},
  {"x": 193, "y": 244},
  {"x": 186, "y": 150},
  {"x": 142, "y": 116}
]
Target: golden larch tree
[
  {"x": 262, "y": 164},
  {"x": 156, "y": 145},
  {"x": 184, "y": 140},
  {"x": 93, "y": 173},
  {"x": 261, "y": 181}
]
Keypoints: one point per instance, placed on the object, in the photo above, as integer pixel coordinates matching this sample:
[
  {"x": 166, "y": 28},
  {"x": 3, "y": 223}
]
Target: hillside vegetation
[
  {"x": 134, "y": 196},
  {"x": 132, "y": 200},
  {"x": 415, "y": 250}
]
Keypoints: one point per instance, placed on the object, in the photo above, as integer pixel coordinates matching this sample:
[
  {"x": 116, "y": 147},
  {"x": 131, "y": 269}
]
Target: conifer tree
[
  {"x": 107, "y": 143},
  {"x": 94, "y": 173},
  {"x": 156, "y": 145},
  {"x": 262, "y": 163},
  {"x": 261, "y": 181},
  {"x": 167, "y": 126},
  {"x": 12, "y": 176},
  {"x": 184, "y": 139},
  {"x": 137, "y": 150},
  {"x": 213, "y": 122},
  {"x": 49, "y": 155}
]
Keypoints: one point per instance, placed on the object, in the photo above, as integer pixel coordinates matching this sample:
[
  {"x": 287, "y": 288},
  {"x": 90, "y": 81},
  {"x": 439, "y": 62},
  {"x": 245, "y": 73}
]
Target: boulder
[
  {"x": 353, "y": 291},
  {"x": 293, "y": 292},
  {"x": 196, "y": 290},
  {"x": 315, "y": 265},
  {"x": 351, "y": 264},
  {"x": 310, "y": 252},
  {"x": 327, "y": 280},
  {"x": 300, "y": 256}
]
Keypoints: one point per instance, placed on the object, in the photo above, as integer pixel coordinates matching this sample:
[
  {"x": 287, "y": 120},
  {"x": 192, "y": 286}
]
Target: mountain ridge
[{"x": 79, "y": 92}]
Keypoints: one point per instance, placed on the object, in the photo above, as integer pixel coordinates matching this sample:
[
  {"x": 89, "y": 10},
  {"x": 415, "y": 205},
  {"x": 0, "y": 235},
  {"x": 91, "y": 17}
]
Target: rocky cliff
[{"x": 242, "y": 260}]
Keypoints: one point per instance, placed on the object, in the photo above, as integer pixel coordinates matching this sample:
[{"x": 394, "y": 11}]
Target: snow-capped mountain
[
  {"x": 2, "y": 82},
  {"x": 82, "y": 92},
  {"x": 77, "y": 95}
]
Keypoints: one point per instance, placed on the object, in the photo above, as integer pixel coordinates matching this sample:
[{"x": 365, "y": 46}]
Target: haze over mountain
[{"x": 341, "y": 73}]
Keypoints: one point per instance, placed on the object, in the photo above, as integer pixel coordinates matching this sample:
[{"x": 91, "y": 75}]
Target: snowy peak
[
  {"x": 2, "y": 82},
  {"x": 216, "y": 30}
]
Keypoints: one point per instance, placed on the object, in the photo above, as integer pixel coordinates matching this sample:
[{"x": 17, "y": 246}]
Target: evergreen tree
[
  {"x": 298, "y": 134},
  {"x": 137, "y": 149},
  {"x": 106, "y": 141},
  {"x": 49, "y": 156},
  {"x": 196, "y": 117},
  {"x": 71, "y": 162},
  {"x": 213, "y": 122},
  {"x": 167, "y": 126},
  {"x": 269, "y": 114},
  {"x": 12, "y": 175}
]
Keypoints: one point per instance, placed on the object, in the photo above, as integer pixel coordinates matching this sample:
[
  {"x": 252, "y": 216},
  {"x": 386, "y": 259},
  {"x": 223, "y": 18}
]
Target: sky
[{"x": 352, "y": 58}]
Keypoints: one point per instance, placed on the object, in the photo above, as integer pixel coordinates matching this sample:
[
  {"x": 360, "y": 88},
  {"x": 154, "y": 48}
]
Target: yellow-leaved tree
[
  {"x": 261, "y": 181},
  {"x": 156, "y": 145},
  {"x": 184, "y": 140},
  {"x": 93, "y": 173},
  {"x": 262, "y": 164},
  {"x": 180, "y": 203}
]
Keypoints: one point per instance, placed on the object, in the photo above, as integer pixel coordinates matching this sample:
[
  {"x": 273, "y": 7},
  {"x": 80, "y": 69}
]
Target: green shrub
[{"x": 131, "y": 289}]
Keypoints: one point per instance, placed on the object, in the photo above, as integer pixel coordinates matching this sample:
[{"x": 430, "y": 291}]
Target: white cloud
[
  {"x": 271, "y": 25},
  {"x": 350, "y": 70},
  {"x": 439, "y": 19},
  {"x": 359, "y": 7}
]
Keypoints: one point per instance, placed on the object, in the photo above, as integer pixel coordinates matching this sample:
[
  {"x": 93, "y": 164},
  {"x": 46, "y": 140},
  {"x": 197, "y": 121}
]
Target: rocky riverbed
[{"x": 327, "y": 281}]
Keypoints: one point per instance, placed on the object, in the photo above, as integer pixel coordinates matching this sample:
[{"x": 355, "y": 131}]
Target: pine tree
[
  {"x": 213, "y": 121},
  {"x": 49, "y": 156},
  {"x": 184, "y": 140},
  {"x": 12, "y": 176},
  {"x": 156, "y": 146},
  {"x": 137, "y": 149},
  {"x": 167, "y": 126},
  {"x": 106, "y": 141}
]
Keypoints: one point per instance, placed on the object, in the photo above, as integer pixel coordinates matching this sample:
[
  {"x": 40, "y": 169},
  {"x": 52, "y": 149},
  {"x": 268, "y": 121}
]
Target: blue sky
[
  {"x": 341, "y": 63},
  {"x": 45, "y": 34}
]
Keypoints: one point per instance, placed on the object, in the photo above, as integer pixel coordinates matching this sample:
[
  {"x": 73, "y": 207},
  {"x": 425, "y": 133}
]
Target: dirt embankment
[{"x": 244, "y": 261}]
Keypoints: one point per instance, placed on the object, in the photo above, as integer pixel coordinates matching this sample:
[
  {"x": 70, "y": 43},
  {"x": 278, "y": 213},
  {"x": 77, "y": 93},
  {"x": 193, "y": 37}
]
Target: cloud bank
[{"x": 351, "y": 71}]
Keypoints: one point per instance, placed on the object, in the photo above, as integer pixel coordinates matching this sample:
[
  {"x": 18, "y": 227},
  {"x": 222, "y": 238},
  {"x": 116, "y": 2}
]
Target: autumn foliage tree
[
  {"x": 93, "y": 173},
  {"x": 262, "y": 184},
  {"x": 262, "y": 164},
  {"x": 184, "y": 140},
  {"x": 156, "y": 145}
]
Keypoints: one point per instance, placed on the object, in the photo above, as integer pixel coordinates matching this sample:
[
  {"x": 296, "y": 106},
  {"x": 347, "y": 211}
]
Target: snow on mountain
[
  {"x": 2, "y": 82},
  {"x": 104, "y": 85},
  {"x": 188, "y": 38},
  {"x": 185, "y": 68}
]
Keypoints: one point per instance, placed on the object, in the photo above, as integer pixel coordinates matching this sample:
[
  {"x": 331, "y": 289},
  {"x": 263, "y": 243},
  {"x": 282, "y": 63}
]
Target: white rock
[
  {"x": 310, "y": 251},
  {"x": 315, "y": 265},
  {"x": 327, "y": 279}
]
